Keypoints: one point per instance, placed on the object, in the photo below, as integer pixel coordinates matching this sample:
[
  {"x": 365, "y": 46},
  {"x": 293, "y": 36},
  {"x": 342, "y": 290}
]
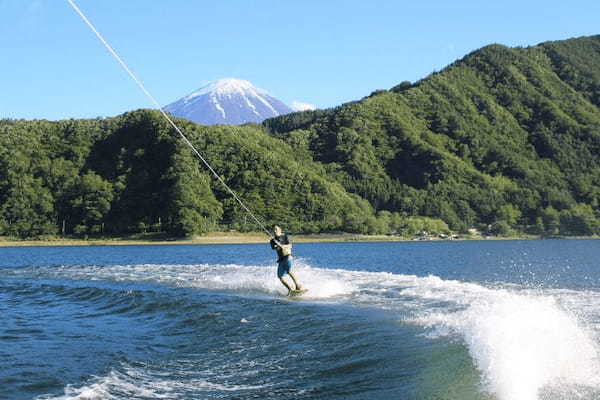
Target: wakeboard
[{"x": 296, "y": 293}]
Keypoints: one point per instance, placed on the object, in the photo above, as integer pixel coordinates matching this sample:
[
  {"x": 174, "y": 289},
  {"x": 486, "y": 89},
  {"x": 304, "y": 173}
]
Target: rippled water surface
[{"x": 507, "y": 320}]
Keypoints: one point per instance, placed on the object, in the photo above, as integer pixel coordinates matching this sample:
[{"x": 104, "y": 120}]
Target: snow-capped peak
[
  {"x": 228, "y": 86},
  {"x": 228, "y": 101}
]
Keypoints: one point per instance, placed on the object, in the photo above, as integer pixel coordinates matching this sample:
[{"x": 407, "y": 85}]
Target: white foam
[
  {"x": 136, "y": 383},
  {"x": 521, "y": 343},
  {"x": 130, "y": 383},
  {"x": 322, "y": 284}
]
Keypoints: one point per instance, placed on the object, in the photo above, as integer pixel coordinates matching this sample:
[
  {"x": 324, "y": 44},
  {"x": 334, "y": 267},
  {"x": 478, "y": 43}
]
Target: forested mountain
[
  {"x": 504, "y": 139},
  {"x": 508, "y": 137}
]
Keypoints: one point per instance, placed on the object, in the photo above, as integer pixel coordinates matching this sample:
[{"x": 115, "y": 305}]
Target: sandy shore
[
  {"x": 237, "y": 238},
  {"x": 211, "y": 238}
]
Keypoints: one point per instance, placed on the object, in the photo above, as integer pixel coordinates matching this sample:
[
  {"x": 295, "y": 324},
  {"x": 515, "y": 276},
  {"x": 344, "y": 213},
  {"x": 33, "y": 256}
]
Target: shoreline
[
  {"x": 213, "y": 238},
  {"x": 216, "y": 238}
]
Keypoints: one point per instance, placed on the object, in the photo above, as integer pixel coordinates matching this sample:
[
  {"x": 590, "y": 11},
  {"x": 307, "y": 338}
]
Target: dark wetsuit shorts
[{"x": 283, "y": 267}]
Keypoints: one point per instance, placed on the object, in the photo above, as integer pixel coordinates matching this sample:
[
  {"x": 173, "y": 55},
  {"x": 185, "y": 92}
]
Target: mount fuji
[{"x": 228, "y": 101}]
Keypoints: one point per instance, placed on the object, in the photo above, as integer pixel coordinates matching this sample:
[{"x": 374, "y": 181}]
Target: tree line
[{"x": 131, "y": 174}]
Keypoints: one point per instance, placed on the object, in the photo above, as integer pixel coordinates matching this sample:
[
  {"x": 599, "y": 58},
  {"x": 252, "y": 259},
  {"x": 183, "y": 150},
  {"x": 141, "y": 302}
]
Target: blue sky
[{"x": 323, "y": 52}]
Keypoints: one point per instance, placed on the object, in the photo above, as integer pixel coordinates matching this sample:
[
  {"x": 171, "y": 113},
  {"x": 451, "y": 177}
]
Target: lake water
[{"x": 507, "y": 320}]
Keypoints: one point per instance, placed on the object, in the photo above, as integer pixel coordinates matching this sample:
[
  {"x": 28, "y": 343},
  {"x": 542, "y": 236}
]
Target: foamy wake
[
  {"x": 527, "y": 344},
  {"x": 323, "y": 284},
  {"x": 136, "y": 383}
]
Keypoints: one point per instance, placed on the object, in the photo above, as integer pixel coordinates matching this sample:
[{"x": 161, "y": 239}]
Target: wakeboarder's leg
[
  {"x": 285, "y": 284},
  {"x": 298, "y": 286}
]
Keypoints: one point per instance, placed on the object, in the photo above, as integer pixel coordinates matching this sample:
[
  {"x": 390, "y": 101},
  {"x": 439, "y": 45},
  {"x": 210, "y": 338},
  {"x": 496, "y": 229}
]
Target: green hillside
[
  {"x": 507, "y": 137},
  {"x": 504, "y": 139},
  {"x": 131, "y": 174}
]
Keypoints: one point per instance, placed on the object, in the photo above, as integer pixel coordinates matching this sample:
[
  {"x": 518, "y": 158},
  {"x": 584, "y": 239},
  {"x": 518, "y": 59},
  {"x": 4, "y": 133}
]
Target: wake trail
[{"x": 527, "y": 344}]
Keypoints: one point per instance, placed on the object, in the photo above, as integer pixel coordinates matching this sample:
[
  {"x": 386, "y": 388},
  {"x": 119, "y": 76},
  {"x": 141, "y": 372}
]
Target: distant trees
[
  {"x": 131, "y": 174},
  {"x": 193, "y": 208},
  {"x": 404, "y": 85},
  {"x": 89, "y": 201},
  {"x": 28, "y": 209}
]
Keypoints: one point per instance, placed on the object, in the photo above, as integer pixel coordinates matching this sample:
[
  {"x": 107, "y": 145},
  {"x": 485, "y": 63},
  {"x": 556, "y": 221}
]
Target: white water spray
[{"x": 523, "y": 345}]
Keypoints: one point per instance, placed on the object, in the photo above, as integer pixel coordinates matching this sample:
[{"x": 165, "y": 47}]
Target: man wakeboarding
[{"x": 281, "y": 243}]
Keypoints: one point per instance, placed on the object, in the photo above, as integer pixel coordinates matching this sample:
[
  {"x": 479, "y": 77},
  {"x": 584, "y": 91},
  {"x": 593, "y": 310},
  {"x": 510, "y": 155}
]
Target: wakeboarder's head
[{"x": 277, "y": 230}]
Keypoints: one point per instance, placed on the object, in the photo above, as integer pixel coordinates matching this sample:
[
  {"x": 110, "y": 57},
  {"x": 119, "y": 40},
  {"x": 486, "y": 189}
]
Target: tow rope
[{"x": 164, "y": 114}]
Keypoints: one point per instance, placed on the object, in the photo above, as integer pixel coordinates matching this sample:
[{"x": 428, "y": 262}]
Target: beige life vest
[{"x": 286, "y": 250}]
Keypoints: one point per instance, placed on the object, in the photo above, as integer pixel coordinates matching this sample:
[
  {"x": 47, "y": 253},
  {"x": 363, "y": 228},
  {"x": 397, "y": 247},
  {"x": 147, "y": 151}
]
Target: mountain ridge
[{"x": 501, "y": 127}]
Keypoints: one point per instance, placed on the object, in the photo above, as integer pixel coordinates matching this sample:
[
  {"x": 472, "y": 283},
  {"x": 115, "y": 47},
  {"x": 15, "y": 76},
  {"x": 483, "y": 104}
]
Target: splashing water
[
  {"x": 521, "y": 343},
  {"x": 527, "y": 345}
]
